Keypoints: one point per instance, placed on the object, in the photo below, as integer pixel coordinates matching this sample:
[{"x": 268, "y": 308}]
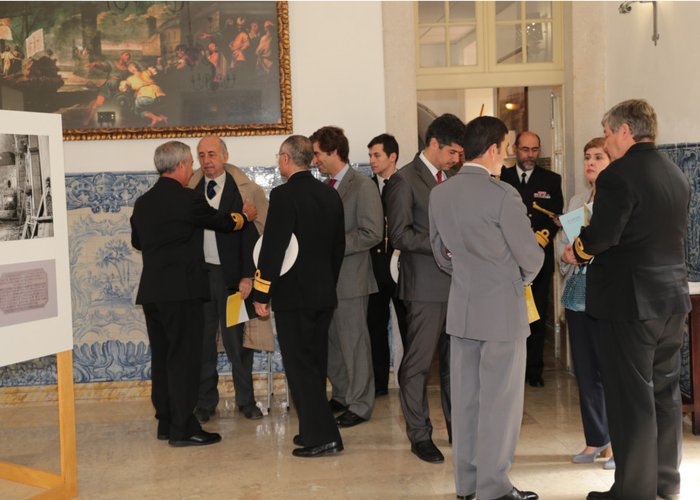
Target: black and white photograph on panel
[{"x": 26, "y": 210}]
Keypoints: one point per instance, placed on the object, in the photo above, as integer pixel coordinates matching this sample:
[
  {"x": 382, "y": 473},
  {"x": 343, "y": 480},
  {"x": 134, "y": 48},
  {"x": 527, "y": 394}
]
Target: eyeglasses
[{"x": 528, "y": 150}]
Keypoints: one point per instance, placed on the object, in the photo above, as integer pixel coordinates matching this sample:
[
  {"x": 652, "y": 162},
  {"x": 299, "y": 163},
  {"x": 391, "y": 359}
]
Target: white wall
[
  {"x": 666, "y": 75},
  {"x": 337, "y": 71}
]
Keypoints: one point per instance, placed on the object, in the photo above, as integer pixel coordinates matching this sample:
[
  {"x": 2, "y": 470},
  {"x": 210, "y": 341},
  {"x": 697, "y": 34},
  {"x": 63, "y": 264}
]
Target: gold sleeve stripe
[
  {"x": 260, "y": 284},
  {"x": 238, "y": 220},
  {"x": 580, "y": 253}
]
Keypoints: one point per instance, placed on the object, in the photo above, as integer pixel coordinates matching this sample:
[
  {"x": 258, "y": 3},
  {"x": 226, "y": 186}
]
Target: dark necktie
[
  {"x": 332, "y": 182},
  {"x": 439, "y": 176},
  {"x": 523, "y": 179},
  {"x": 211, "y": 189}
]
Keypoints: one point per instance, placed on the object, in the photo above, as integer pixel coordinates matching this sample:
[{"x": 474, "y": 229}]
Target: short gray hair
[
  {"x": 169, "y": 155},
  {"x": 299, "y": 149},
  {"x": 639, "y": 116}
]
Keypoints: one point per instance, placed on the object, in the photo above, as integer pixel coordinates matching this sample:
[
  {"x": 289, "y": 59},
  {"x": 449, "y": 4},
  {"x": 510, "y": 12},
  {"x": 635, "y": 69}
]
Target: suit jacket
[
  {"x": 406, "y": 197},
  {"x": 483, "y": 224},
  {"x": 544, "y": 188},
  {"x": 381, "y": 254},
  {"x": 364, "y": 220},
  {"x": 248, "y": 189},
  {"x": 637, "y": 235},
  {"x": 314, "y": 213},
  {"x": 167, "y": 226},
  {"x": 235, "y": 248}
]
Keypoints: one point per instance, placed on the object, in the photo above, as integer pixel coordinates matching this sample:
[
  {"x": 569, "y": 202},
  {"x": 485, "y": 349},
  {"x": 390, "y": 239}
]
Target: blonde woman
[{"x": 582, "y": 328}]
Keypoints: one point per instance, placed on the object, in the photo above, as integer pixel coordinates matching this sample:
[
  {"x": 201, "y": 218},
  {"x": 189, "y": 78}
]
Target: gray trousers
[
  {"x": 350, "y": 357},
  {"x": 241, "y": 358},
  {"x": 425, "y": 330},
  {"x": 487, "y": 408}
]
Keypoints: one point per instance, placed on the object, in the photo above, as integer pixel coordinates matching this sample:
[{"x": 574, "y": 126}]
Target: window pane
[
  {"x": 539, "y": 42},
  {"x": 462, "y": 11},
  {"x": 509, "y": 47},
  {"x": 431, "y": 12},
  {"x": 507, "y": 11},
  {"x": 432, "y": 47},
  {"x": 538, "y": 10},
  {"x": 462, "y": 45}
]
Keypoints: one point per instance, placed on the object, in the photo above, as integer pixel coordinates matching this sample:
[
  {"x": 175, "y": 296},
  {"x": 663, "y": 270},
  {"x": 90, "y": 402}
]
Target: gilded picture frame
[{"x": 135, "y": 70}]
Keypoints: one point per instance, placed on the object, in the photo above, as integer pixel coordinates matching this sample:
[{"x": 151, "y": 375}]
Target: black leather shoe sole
[
  {"x": 467, "y": 497},
  {"x": 163, "y": 436},
  {"x": 349, "y": 419},
  {"x": 600, "y": 495},
  {"x": 427, "y": 451},
  {"x": 322, "y": 450},
  {"x": 202, "y": 438}
]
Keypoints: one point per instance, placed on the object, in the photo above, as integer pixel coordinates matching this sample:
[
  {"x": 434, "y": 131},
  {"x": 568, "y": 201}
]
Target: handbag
[{"x": 574, "y": 295}]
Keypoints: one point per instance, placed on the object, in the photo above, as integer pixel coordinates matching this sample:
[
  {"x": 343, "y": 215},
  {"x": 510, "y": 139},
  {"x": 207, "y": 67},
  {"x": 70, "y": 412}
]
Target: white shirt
[
  {"x": 433, "y": 169},
  {"x": 211, "y": 252},
  {"x": 339, "y": 176},
  {"x": 520, "y": 171}
]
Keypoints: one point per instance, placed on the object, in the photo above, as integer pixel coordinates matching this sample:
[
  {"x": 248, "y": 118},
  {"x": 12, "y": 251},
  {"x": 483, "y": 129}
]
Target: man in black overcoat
[
  {"x": 637, "y": 288},
  {"x": 304, "y": 297}
]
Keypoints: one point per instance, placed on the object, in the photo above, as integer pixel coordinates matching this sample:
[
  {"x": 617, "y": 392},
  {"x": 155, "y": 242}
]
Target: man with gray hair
[
  {"x": 166, "y": 225},
  {"x": 637, "y": 288},
  {"x": 304, "y": 297}
]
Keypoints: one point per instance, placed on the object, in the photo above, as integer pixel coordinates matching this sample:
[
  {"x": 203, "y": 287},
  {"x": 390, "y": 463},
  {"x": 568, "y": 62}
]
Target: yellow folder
[
  {"x": 235, "y": 310},
  {"x": 532, "y": 314}
]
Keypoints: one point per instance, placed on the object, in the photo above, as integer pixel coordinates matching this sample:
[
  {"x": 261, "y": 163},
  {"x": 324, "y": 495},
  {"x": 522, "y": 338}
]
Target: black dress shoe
[
  {"x": 536, "y": 381},
  {"x": 467, "y": 497},
  {"x": 203, "y": 414},
  {"x": 163, "y": 433},
  {"x": 202, "y": 438},
  {"x": 336, "y": 407},
  {"x": 163, "y": 436},
  {"x": 297, "y": 440},
  {"x": 321, "y": 450},
  {"x": 427, "y": 451},
  {"x": 251, "y": 412},
  {"x": 381, "y": 392},
  {"x": 600, "y": 495},
  {"x": 516, "y": 494},
  {"x": 349, "y": 419}
]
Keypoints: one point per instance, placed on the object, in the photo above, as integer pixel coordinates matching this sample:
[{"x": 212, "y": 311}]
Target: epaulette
[{"x": 260, "y": 284}]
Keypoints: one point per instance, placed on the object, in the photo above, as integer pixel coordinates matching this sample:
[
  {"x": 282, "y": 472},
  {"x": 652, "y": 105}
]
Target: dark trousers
[
  {"x": 175, "y": 335},
  {"x": 378, "y": 315},
  {"x": 640, "y": 365},
  {"x": 583, "y": 336},
  {"x": 241, "y": 358},
  {"x": 425, "y": 334},
  {"x": 538, "y": 329},
  {"x": 303, "y": 339}
]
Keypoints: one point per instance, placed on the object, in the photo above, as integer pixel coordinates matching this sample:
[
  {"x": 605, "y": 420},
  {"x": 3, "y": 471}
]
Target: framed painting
[{"x": 134, "y": 69}]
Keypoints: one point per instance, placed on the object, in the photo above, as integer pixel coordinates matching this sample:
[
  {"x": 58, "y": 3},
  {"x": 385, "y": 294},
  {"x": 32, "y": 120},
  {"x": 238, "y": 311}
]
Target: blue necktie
[{"x": 211, "y": 189}]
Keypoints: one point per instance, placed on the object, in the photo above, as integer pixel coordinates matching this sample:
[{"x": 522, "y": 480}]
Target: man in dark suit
[
  {"x": 423, "y": 287},
  {"x": 305, "y": 297},
  {"x": 229, "y": 259},
  {"x": 637, "y": 288},
  {"x": 383, "y": 155},
  {"x": 166, "y": 225},
  {"x": 541, "y": 187},
  {"x": 349, "y": 350}
]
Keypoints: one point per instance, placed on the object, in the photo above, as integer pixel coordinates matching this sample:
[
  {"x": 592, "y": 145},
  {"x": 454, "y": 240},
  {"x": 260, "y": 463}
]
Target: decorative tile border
[{"x": 109, "y": 333}]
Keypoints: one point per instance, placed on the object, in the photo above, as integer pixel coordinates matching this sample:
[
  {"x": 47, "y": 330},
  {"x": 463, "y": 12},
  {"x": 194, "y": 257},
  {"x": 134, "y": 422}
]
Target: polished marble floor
[{"x": 120, "y": 458}]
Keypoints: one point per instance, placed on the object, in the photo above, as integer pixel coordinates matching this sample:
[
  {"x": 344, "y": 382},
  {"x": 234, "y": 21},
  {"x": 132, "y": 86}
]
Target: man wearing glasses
[{"x": 541, "y": 187}]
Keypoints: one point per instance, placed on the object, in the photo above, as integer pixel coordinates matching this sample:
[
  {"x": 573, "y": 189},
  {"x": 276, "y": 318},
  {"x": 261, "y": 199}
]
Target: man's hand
[
  {"x": 245, "y": 286},
  {"x": 568, "y": 255},
  {"x": 262, "y": 310},
  {"x": 250, "y": 210}
]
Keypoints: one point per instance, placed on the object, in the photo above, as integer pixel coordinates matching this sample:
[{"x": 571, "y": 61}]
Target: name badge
[{"x": 544, "y": 195}]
